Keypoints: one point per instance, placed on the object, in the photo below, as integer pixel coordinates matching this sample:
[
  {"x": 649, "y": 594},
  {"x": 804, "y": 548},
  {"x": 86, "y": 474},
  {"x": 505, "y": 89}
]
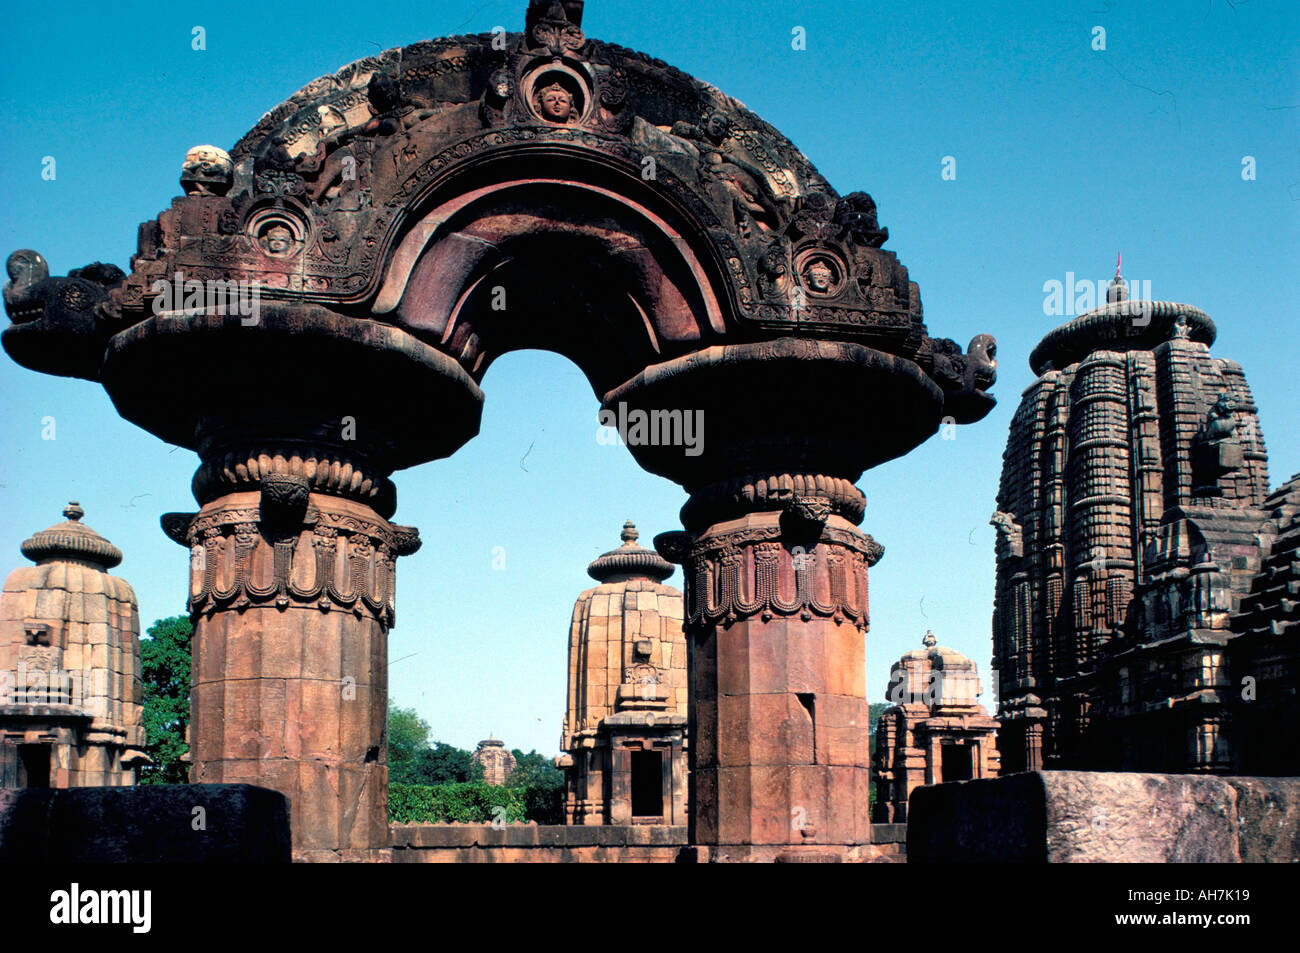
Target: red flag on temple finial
[{"x": 1119, "y": 259}]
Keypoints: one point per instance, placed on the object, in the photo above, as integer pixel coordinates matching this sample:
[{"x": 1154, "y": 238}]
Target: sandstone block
[{"x": 1082, "y": 817}]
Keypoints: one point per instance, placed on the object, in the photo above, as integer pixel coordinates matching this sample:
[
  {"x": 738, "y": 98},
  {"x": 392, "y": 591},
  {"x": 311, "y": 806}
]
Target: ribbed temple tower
[
  {"x": 625, "y": 729},
  {"x": 1134, "y": 488},
  {"x": 70, "y": 689}
]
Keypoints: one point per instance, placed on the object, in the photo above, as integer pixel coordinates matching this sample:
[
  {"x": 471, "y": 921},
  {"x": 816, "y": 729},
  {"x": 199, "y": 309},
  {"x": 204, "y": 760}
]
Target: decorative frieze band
[
  {"x": 241, "y": 557},
  {"x": 752, "y": 572}
]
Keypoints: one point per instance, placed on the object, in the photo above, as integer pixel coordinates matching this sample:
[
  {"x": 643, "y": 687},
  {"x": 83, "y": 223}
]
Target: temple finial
[
  {"x": 629, "y": 533},
  {"x": 929, "y": 641},
  {"x": 73, "y": 511},
  {"x": 1118, "y": 289}
]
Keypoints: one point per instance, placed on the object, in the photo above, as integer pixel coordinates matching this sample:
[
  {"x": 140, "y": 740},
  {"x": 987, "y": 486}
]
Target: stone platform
[
  {"x": 1107, "y": 817},
  {"x": 163, "y": 823}
]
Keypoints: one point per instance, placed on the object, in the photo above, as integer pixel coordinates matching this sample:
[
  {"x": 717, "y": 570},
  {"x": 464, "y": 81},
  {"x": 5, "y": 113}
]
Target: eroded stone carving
[
  {"x": 207, "y": 170},
  {"x": 350, "y": 156}
]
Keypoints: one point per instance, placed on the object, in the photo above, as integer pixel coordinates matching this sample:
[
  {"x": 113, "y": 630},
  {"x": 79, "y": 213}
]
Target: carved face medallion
[
  {"x": 555, "y": 104},
  {"x": 820, "y": 277},
  {"x": 277, "y": 241}
]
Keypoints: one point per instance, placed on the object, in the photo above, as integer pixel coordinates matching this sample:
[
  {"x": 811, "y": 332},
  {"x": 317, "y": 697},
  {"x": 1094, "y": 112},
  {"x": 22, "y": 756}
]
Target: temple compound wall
[
  {"x": 625, "y": 729},
  {"x": 70, "y": 689},
  {"x": 1145, "y": 616},
  {"x": 935, "y": 731},
  {"x": 536, "y": 844}
]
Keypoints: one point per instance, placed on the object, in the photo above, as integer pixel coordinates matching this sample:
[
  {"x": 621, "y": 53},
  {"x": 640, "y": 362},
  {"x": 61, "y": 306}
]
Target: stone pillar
[
  {"x": 292, "y": 594},
  {"x": 1034, "y": 746},
  {"x": 677, "y": 779},
  {"x": 620, "y": 796},
  {"x": 773, "y": 437},
  {"x": 776, "y": 613},
  {"x": 299, "y": 417},
  {"x": 592, "y": 803}
]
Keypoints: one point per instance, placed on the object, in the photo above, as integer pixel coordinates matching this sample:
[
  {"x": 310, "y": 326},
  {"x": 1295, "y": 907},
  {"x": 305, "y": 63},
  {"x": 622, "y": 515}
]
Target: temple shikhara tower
[
  {"x": 70, "y": 690},
  {"x": 625, "y": 730},
  {"x": 496, "y": 759},
  {"x": 935, "y": 731},
  {"x": 1145, "y": 615}
]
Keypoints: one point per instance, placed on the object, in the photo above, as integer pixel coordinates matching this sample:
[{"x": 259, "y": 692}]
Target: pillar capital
[{"x": 774, "y": 564}]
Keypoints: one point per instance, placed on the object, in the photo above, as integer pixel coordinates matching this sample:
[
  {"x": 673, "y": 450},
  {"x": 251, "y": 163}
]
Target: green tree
[
  {"x": 874, "y": 711},
  {"x": 165, "y": 672},
  {"x": 456, "y": 803},
  {"x": 441, "y": 764},
  {"x": 541, "y": 787},
  {"x": 408, "y": 735}
]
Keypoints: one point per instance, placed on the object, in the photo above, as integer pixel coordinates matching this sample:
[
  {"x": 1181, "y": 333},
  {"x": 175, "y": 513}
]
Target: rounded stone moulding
[
  {"x": 72, "y": 540},
  {"x": 775, "y": 408},
  {"x": 629, "y": 560},
  {"x": 338, "y": 400},
  {"x": 1124, "y": 325}
]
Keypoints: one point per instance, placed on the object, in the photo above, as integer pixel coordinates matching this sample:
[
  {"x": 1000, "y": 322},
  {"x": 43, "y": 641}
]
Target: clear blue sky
[{"x": 1065, "y": 155}]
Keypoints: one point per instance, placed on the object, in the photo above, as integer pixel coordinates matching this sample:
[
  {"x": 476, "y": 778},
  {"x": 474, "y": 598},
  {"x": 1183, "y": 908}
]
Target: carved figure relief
[{"x": 557, "y": 94}]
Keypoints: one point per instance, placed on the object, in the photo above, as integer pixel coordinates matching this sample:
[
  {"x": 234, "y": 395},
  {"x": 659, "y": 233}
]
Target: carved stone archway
[{"x": 404, "y": 222}]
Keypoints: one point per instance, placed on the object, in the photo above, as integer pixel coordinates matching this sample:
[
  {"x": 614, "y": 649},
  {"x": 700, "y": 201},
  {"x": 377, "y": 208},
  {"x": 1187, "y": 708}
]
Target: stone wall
[
  {"x": 535, "y": 844},
  {"x": 889, "y": 843},
  {"x": 1110, "y": 817},
  {"x": 152, "y": 823}
]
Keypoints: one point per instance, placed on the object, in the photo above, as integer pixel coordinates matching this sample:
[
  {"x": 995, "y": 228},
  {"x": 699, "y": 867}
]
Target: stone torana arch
[{"x": 404, "y": 222}]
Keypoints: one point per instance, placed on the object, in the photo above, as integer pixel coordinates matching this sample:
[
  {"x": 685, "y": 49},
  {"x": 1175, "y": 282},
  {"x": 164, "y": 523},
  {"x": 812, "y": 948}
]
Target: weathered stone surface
[
  {"x": 885, "y": 835},
  {"x": 1268, "y": 819},
  {"x": 162, "y": 823},
  {"x": 1111, "y": 817}
]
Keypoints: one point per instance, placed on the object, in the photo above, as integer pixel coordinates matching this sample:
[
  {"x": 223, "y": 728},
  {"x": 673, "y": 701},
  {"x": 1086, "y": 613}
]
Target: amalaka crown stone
[{"x": 71, "y": 540}]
